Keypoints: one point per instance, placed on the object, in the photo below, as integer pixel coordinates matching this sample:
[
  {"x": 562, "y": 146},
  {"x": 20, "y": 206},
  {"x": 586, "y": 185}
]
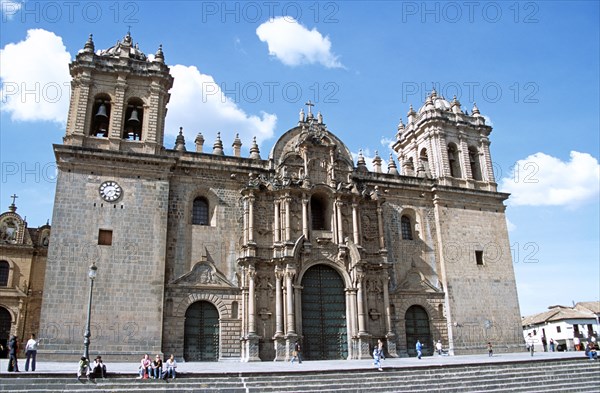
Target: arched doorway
[
  {"x": 324, "y": 314},
  {"x": 5, "y": 322},
  {"x": 201, "y": 334},
  {"x": 417, "y": 328}
]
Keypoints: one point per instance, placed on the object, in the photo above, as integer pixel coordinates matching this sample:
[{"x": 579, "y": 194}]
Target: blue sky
[{"x": 247, "y": 67}]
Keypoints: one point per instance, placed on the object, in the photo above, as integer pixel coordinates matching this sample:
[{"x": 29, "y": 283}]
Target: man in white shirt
[{"x": 31, "y": 352}]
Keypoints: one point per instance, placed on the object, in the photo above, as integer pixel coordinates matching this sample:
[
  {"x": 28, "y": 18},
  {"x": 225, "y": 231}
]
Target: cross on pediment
[
  {"x": 14, "y": 196},
  {"x": 309, "y": 105}
]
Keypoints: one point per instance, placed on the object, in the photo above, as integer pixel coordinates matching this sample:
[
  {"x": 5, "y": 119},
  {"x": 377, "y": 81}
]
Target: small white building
[{"x": 562, "y": 324}]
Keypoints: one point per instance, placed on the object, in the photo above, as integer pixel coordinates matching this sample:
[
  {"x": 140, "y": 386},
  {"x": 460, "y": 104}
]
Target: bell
[
  {"x": 102, "y": 111},
  {"x": 134, "y": 117}
]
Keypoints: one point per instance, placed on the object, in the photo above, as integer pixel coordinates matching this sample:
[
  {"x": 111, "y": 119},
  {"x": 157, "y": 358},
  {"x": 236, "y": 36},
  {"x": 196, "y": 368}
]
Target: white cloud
[
  {"x": 293, "y": 44},
  {"x": 543, "y": 180},
  {"x": 9, "y": 9},
  {"x": 198, "y": 104},
  {"x": 35, "y": 78},
  {"x": 510, "y": 226}
]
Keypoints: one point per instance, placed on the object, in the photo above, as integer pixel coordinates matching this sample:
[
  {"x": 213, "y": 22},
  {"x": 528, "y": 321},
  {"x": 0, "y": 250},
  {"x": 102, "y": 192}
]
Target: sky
[{"x": 247, "y": 68}]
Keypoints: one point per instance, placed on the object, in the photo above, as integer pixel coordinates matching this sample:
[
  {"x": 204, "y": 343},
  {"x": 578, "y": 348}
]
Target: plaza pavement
[{"x": 223, "y": 367}]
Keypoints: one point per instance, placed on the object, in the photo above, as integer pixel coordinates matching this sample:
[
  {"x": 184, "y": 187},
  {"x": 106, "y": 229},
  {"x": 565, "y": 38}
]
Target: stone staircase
[{"x": 565, "y": 375}]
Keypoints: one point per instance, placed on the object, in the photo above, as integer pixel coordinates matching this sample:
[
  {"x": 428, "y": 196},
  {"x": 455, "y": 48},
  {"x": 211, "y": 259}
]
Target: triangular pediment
[{"x": 204, "y": 274}]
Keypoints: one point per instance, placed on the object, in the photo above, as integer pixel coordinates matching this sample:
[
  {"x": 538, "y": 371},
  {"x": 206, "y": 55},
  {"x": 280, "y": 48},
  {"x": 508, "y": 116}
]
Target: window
[
  {"x": 474, "y": 161},
  {"x": 558, "y": 329},
  {"x": 134, "y": 116},
  {"x": 317, "y": 213},
  {"x": 479, "y": 257},
  {"x": 406, "y": 228},
  {"x": 100, "y": 116},
  {"x": 4, "y": 270},
  {"x": 105, "y": 237},
  {"x": 453, "y": 161},
  {"x": 200, "y": 211}
]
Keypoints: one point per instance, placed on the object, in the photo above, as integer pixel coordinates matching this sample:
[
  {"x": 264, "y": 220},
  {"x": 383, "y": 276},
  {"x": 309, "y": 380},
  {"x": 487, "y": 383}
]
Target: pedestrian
[
  {"x": 98, "y": 368},
  {"x": 544, "y": 344},
  {"x": 551, "y": 345},
  {"x": 419, "y": 348},
  {"x": 377, "y": 358},
  {"x": 31, "y": 352},
  {"x": 577, "y": 343},
  {"x": 171, "y": 366},
  {"x": 490, "y": 349},
  {"x": 438, "y": 347},
  {"x": 381, "y": 350},
  {"x": 13, "y": 348},
  {"x": 530, "y": 343},
  {"x": 157, "y": 367},
  {"x": 297, "y": 353},
  {"x": 84, "y": 368}
]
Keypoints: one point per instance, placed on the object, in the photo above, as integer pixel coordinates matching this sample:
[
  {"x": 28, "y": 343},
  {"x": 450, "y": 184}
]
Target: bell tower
[{"x": 118, "y": 98}]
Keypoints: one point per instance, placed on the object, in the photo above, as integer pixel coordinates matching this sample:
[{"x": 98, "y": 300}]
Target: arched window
[
  {"x": 423, "y": 169},
  {"x": 318, "y": 211},
  {"x": 4, "y": 270},
  {"x": 100, "y": 116},
  {"x": 474, "y": 161},
  {"x": 453, "y": 160},
  {"x": 406, "y": 227},
  {"x": 200, "y": 211},
  {"x": 134, "y": 116}
]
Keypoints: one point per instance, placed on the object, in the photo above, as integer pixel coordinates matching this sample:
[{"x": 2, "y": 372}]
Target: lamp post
[{"x": 86, "y": 341}]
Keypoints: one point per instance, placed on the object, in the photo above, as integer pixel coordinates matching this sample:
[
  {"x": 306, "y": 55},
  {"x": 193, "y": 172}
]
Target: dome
[
  {"x": 125, "y": 47},
  {"x": 433, "y": 101}
]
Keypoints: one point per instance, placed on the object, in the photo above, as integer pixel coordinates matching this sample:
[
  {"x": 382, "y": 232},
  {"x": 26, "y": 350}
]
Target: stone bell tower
[{"x": 118, "y": 99}]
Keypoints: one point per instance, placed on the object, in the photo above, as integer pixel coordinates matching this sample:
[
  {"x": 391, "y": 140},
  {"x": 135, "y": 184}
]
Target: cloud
[
  {"x": 294, "y": 45},
  {"x": 543, "y": 180},
  {"x": 510, "y": 226},
  {"x": 9, "y": 9},
  {"x": 198, "y": 104},
  {"x": 35, "y": 78}
]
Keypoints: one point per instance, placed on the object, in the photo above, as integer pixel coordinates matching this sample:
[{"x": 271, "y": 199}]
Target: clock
[{"x": 110, "y": 191}]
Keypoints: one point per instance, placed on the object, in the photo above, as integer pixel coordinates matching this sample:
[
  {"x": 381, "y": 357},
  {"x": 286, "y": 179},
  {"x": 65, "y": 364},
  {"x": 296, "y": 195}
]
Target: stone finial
[
  {"x": 377, "y": 162},
  {"x": 392, "y": 168},
  {"x": 475, "y": 110},
  {"x": 254, "y": 151},
  {"x": 455, "y": 105},
  {"x": 400, "y": 129},
  {"x": 89, "y": 45},
  {"x": 180, "y": 141},
  {"x": 301, "y": 115},
  {"x": 218, "y": 146},
  {"x": 237, "y": 145},
  {"x": 410, "y": 116},
  {"x": 199, "y": 142},
  {"x": 361, "y": 164},
  {"x": 319, "y": 118},
  {"x": 159, "y": 57}
]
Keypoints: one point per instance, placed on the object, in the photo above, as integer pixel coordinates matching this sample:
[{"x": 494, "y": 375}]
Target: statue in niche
[{"x": 8, "y": 231}]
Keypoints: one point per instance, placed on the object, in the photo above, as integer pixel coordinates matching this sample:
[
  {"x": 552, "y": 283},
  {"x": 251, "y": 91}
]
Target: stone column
[
  {"x": 360, "y": 303},
  {"x": 251, "y": 218},
  {"x": 251, "y": 301},
  {"x": 355, "y": 227},
  {"x": 380, "y": 226},
  {"x": 277, "y": 229},
  {"x": 246, "y": 221},
  {"x": 305, "y": 202},
  {"x": 340, "y": 228},
  {"x": 288, "y": 219},
  {"x": 279, "y": 339},
  {"x": 390, "y": 336},
  {"x": 291, "y": 323},
  {"x": 487, "y": 159}
]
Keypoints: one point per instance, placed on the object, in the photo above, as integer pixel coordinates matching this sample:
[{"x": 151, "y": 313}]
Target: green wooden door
[
  {"x": 324, "y": 315},
  {"x": 201, "y": 335},
  {"x": 417, "y": 328}
]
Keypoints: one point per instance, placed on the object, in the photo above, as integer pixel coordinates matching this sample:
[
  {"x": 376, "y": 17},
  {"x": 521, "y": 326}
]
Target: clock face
[{"x": 110, "y": 191}]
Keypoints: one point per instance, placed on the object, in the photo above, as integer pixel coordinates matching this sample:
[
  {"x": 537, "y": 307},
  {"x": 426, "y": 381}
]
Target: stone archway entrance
[
  {"x": 324, "y": 331},
  {"x": 5, "y": 322},
  {"x": 417, "y": 328},
  {"x": 201, "y": 334}
]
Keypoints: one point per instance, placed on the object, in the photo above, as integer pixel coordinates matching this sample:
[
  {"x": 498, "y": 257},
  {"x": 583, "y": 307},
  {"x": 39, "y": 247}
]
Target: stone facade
[
  {"x": 215, "y": 257},
  {"x": 23, "y": 253}
]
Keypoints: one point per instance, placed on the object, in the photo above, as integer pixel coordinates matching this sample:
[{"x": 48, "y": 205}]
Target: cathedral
[{"x": 216, "y": 257}]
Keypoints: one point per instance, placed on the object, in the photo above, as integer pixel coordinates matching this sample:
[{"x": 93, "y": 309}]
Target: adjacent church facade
[{"x": 214, "y": 257}]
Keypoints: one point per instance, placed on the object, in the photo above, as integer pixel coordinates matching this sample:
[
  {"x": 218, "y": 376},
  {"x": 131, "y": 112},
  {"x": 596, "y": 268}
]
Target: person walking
[
  {"x": 31, "y": 352},
  {"x": 438, "y": 347},
  {"x": 297, "y": 353},
  {"x": 13, "y": 348},
  {"x": 530, "y": 344},
  {"x": 419, "y": 348},
  {"x": 490, "y": 349},
  {"x": 377, "y": 358},
  {"x": 544, "y": 344}
]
